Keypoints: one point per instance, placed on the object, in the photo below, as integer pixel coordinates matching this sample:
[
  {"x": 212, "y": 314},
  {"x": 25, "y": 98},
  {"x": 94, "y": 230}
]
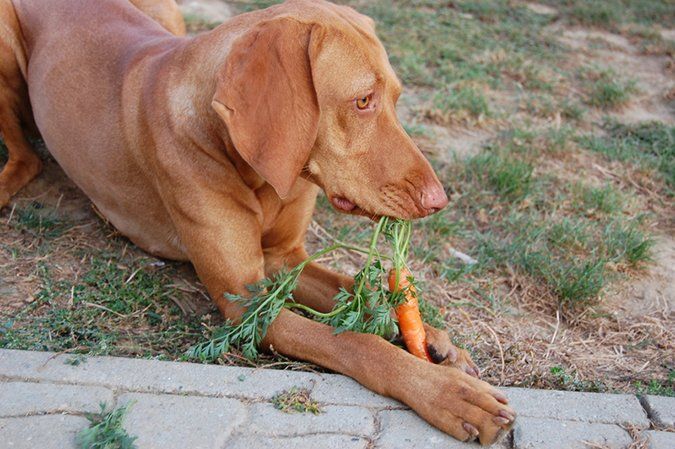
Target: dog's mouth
[
  {"x": 349, "y": 207},
  {"x": 343, "y": 204}
]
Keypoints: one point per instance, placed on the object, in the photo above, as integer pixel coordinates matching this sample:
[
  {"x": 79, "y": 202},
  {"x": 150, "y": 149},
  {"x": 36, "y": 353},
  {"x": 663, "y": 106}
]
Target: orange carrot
[{"x": 408, "y": 313}]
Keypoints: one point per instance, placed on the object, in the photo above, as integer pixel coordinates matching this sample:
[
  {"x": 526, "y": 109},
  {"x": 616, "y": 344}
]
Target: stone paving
[{"x": 44, "y": 398}]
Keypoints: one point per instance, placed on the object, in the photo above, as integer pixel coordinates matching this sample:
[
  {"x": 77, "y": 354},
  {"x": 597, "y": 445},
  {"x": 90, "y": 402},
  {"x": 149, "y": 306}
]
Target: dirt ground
[{"x": 52, "y": 240}]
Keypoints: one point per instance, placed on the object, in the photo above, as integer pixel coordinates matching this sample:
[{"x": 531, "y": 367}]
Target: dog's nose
[{"x": 434, "y": 198}]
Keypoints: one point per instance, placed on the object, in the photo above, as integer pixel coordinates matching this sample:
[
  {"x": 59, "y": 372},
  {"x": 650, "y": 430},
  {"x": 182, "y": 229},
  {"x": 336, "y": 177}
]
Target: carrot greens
[{"x": 367, "y": 309}]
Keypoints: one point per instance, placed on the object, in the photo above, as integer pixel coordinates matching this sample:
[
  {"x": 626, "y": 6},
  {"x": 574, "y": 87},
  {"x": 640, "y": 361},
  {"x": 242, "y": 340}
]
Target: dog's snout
[{"x": 434, "y": 198}]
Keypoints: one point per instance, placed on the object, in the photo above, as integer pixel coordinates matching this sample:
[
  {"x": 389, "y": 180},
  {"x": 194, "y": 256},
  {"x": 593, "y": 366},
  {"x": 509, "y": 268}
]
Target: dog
[{"x": 212, "y": 149}]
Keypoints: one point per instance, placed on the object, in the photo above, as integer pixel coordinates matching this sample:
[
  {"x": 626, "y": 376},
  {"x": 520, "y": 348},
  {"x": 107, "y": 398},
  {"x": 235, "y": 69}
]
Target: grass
[
  {"x": 658, "y": 387},
  {"x": 605, "y": 89},
  {"x": 570, "y": 381},
  {"x": 461, "y": 103},
  {"x": 562, "y": 234},
  {"x": 468, "y": 41},
  {"x": 604, "y": 200},
  {"x": 509, "y": 178},
  {"x": 609, "y": 14},
  {"x": 648, "y": 146},
  {"x": 39, "y": 222},
  {"x": 296, "y": 400},
  {"x": 106, "y": 430},
  {"x": 195, "y": 23},
  {"x": 118, "y": 306}
]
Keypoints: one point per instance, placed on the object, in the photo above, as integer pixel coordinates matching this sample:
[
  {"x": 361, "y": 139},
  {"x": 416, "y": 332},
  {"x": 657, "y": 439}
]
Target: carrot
[{"x": 408, "y": 314}]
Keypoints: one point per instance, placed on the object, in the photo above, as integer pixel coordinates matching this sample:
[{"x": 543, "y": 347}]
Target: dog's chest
[{"x": 270, "y": 204}]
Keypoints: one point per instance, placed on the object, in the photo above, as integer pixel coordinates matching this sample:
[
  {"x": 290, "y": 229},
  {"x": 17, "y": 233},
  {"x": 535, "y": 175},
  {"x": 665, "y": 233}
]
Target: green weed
[
  {"x": 571, "y": 382},
  {"x": 569, "y": 234},
  {"x": 39, "y": 221},
  {"x": 577, "y": 282},
  {"x": 106, "y": 430},
  {"x": 196, "y": 23},
  {"x": 296, "y": 400},
  {"x": 658, "y": 387}
]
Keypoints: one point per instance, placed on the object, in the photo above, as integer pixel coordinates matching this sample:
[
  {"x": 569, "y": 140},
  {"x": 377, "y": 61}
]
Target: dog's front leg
[
  {"x": 451, "y": 400},
  {"x": 318, "y": 286}
]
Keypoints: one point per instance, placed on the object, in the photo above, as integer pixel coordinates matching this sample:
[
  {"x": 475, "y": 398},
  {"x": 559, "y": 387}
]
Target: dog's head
[{"x": 310, "y": 92}]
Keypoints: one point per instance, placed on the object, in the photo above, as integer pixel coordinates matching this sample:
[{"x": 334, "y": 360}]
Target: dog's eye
[{"x": 363, "y": 103}]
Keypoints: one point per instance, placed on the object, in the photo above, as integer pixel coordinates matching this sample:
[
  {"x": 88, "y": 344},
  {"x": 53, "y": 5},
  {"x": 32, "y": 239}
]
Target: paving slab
[
  {"x": 661, "y": 410},
  {"x": 403, "y": 429},
  {"x": 578, "y": 406},
  {"x": 536, "y": 433},
  {"x": 265, "y": 419},
  {"x": 188, "y": 405},
  {"x": 179, "y": 422},
  {"x": 185, "y": 378},
  {"x": 660, "y": 440},
  {"x": 41, "y": 432},
  {"x": 322, "y": 441},
  {"x": 23, "y": 398}
]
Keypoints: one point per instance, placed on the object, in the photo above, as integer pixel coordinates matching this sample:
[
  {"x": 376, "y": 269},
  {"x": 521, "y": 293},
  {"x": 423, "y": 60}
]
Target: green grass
[
  {"x": 606, "y": 89},
  {"x": 509, "y": 178},
  {"x": 626, "y": 243},
  {"x": 465, "y": 99},
  {"x": 658, "y": 387},
  {"x": 604, "y": 200},
  {"x": 650, "y": 41},
  {"x": 39, "y": 221},
  {"x": 611, "y": 13},
  {"x": 649, "y": 146},
  {"x": 198, "y": 23},
  {"x": 446, "y": 45},
  {"x": 561, "y": 233},
  {"x": 117, "y": 306},
  {"x": 565, "y": 380},
  {"x": 106, "y": 430}
]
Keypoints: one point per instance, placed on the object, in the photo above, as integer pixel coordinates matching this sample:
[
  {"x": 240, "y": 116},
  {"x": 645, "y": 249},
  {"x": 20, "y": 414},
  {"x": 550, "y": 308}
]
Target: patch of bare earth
[{"x": 653, "y": 74}]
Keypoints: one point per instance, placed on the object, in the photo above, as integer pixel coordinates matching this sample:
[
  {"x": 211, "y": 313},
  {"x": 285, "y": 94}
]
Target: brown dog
[{"x": 212, "y": 149}]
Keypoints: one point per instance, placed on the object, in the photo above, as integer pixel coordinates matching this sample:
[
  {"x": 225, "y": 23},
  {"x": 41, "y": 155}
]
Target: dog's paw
[
  {"x": 458, "y": 404},
  {"x": 443, "y": 352}
]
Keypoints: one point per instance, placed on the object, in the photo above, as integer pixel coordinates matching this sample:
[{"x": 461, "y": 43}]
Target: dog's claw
[
  {"x": 471, "y": 430},
  {"x": 500, "y": 421},
  {"x": 507, "y": 415}
]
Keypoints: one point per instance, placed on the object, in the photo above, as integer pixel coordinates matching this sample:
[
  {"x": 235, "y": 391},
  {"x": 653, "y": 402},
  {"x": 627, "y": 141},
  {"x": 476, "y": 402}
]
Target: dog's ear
[{"x": 265, "y": 95}]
